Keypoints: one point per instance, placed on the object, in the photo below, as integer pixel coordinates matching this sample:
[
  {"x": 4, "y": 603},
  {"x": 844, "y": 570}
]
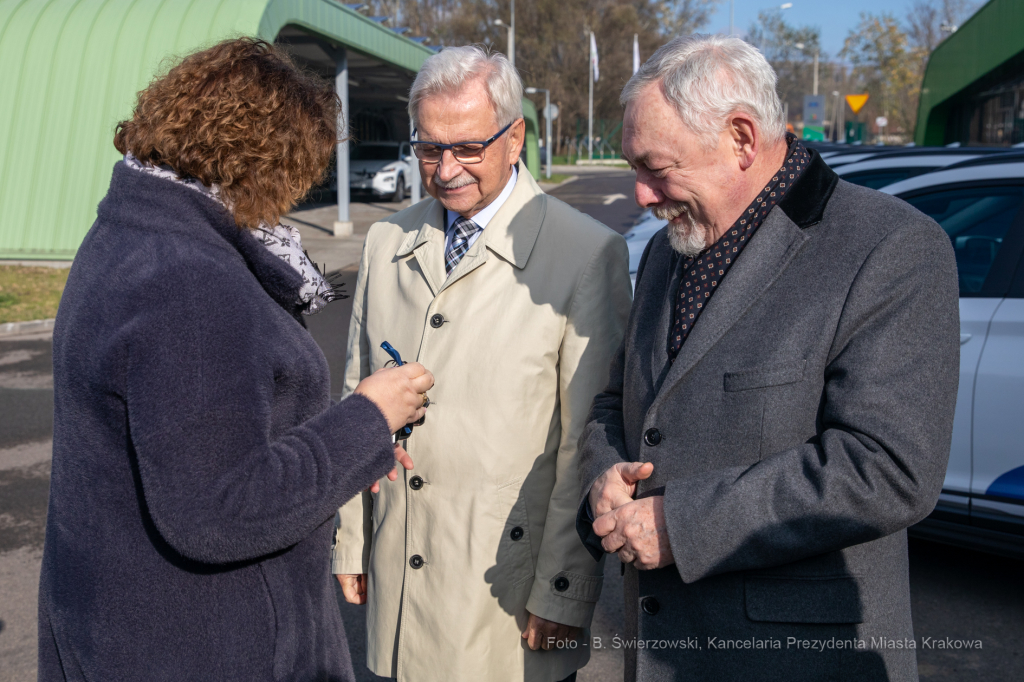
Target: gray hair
[
  {"x": 708, "y": 77},
  {"x": 450, "y": 69}
]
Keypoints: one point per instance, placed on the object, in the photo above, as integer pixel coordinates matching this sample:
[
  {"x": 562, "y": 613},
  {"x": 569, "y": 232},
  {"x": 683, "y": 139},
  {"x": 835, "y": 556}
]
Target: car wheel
[{"x": 399, "y": 189}]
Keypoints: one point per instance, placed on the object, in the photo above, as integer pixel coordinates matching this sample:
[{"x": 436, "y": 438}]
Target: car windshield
[
  {"x": 375, "y": 152},
  {"x": 976, "y": 220}
]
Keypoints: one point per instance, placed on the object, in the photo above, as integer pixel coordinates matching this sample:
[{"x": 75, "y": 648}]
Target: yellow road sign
[{"x": 857, "y": 102}]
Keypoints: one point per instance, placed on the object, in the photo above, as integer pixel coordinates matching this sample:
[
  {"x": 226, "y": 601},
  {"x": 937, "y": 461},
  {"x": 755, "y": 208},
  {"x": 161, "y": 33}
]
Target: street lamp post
[
  {"x": 815, "y": 90},
  {"x": 511, "y": 26},
  {"x": 801, "y": 46},
  {"x": 547, "y": 126},
  {"x": 511, "y": 41},
  {"x": 834, "y": 133}
]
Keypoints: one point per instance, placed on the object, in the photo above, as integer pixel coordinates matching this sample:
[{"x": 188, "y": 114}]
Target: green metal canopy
[
  {"x": 987, "y": 41},
  {"x": 71, "y": 70}
]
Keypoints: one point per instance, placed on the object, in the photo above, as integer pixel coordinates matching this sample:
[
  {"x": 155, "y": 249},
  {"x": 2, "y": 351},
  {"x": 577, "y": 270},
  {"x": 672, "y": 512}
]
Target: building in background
[
  {"x": 973, "y": 89},
  {"x": 71, "y": 71}
]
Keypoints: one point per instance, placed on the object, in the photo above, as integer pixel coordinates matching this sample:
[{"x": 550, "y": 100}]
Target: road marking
[{"x": 612, "y": 198}]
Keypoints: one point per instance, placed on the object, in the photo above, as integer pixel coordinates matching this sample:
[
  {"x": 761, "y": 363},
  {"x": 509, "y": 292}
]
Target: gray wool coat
[{"x": 804, "y": 425}]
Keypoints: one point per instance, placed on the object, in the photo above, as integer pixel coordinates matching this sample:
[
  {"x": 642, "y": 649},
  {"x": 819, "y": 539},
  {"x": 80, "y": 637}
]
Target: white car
[
  {"x": 882, "y": 170},
  {"x": 381, "y": 169},
  {"x": 638, "y": 236},
  {"x": 980, "y": 205}
]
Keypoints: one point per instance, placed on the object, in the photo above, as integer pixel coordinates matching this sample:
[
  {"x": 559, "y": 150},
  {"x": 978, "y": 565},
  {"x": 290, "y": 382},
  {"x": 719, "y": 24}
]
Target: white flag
[
  {"x": 636, "y": 54},
  {"x": 593, "y": 56}
]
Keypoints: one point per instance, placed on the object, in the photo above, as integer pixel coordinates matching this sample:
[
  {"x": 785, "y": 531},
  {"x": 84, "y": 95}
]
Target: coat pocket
[
  {"x": 515, "y": 553},
  {"x": 763, "y": 377},
  {"x": 783, "y": 599}
]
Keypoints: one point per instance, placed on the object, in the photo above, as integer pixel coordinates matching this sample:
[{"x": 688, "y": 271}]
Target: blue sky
[{"x": 835, "y": 18}]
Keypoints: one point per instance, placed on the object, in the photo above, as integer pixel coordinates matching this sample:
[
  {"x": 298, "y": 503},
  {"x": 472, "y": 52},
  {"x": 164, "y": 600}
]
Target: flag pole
[{"x": 590, "y": 118}]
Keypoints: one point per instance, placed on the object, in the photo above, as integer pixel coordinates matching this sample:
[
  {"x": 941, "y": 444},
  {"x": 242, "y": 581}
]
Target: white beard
[{"x": 686, "y": 236}]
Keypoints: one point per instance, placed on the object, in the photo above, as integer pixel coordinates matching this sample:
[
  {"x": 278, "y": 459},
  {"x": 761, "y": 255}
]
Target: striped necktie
[{"x": 464, "y": 229}]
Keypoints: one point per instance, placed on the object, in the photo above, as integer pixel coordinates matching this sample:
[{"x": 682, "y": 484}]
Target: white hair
[
  {"x": 446, "y": 72},
  {"x": 708, "y": 77}
]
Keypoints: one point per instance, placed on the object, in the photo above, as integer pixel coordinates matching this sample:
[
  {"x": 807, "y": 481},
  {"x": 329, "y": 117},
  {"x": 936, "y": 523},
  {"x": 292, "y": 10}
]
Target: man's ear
[
  {"x": 746, "y": 138},
  {"x": 516, "y": 138}
]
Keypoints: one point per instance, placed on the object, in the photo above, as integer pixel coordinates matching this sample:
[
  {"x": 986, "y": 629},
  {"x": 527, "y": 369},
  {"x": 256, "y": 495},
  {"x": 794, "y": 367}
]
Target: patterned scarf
[
  {"x": 702, "y": 274},
  {"x": 283, "y": 241}
]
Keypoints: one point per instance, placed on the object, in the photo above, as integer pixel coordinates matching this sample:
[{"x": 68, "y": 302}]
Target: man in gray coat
[{"x": 781, "y": 407}]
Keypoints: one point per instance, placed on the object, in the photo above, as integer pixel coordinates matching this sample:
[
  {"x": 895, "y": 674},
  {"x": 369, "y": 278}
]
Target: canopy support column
[
  {"x": 343, "y": 225},
  {"x": 414, "y": 169}
]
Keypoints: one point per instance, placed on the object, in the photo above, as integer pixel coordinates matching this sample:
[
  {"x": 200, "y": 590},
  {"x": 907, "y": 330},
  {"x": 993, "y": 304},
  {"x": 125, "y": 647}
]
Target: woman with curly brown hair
[{"x": 197, "y": 458}]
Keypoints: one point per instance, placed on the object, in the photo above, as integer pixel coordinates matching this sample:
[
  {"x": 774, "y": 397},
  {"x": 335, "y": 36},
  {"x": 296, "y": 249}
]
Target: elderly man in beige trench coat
[{"x": 469, "y": 564}]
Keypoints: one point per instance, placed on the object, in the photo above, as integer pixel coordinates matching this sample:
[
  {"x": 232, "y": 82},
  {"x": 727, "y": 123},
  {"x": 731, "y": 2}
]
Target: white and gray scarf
[{"x": 283, "y": 241}]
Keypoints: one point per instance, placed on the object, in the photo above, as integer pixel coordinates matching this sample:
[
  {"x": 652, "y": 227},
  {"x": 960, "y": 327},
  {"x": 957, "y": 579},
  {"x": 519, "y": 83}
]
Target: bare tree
[
  {"x": 889, "y": 58},
  {"x": 888, "y": 66},
  {"x": 682, "y": 17},
  {"x": 929, "y": 22},
  {"x": 778, "y": 41},
  {"x": 552, "y": 41}
]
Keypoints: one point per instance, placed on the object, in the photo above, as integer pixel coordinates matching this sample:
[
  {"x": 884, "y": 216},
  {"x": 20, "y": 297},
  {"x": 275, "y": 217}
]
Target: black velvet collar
[{"x": 805, "y": 202}]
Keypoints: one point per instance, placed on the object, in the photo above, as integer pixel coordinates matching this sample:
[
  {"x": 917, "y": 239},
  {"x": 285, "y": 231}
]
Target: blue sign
[{"x": 814, "y": 110}]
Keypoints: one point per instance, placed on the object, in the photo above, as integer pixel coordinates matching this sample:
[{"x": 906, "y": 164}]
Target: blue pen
[
  {"x": 406, "y": 431},
  {"x": 390, "y": 350}
]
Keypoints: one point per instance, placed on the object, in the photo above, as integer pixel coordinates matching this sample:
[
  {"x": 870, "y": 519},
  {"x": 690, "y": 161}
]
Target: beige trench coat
[{"x": 519, "y": 339}]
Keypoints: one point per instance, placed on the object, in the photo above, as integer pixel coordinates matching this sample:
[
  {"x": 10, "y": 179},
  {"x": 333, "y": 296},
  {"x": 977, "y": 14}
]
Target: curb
[
  {"x": 553, "y": 185},
  {"x": 30, "y": 327}
]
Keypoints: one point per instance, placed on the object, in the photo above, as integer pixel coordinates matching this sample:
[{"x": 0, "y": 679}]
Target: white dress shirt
[{"x": 483, "y": 217}]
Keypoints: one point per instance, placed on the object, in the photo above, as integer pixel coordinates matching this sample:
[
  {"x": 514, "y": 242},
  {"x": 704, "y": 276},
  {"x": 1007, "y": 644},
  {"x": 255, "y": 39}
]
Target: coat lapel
[
  {"x": 660, "y": 365},
  {"x": 770, "y": 251},
  {"x": 427, "y": 246}
]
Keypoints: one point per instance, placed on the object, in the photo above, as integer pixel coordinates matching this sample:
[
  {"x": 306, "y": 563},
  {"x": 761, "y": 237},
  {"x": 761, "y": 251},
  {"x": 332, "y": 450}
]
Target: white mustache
[
  {"x": 460, "y": 180},
  {"x": 670, "y": 211}
]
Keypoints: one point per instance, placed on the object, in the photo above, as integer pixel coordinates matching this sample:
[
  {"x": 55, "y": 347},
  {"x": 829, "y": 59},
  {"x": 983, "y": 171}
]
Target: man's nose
[
  {"x": 646, "y": 195},
  {"x": 448, "y": 167}
]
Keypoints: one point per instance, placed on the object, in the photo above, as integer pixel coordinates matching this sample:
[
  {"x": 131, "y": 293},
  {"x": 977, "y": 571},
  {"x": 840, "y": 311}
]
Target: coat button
[
  {"x": 561, "y": 583},
  {"x": 416, "y": 561},
  {"x": 436, "y": 320},
  {"x": 652, "y": 437},
  {"x": 650, "y": 606},
  {"x": 516, "y": 534},
  {"x": 415, "y": 482}
]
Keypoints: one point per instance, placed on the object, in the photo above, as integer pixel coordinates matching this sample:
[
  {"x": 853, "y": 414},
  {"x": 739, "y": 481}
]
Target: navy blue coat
[{"x": 197, "y": 459}]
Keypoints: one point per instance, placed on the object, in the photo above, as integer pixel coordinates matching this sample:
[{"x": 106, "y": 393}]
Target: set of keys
[{"x": 403, "y": 433}]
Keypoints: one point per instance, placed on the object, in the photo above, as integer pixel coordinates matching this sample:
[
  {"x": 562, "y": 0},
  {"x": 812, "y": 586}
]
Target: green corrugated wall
[
  {"x": 70, "y": 70},
  {"x": 989, "y": 38}
]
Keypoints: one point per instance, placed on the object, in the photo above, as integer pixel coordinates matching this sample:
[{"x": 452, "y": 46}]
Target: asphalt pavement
[{"x": 957, "y": 594}]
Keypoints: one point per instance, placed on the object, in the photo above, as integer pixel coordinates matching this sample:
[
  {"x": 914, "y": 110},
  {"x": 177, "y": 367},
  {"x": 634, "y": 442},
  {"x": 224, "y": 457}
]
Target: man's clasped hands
[{"x": 633, "y": 529}]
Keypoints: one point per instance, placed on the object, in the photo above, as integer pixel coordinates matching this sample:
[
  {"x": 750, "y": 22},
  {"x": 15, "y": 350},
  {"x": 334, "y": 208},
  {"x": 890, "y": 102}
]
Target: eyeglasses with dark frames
[{"x": 464, "y": 152}]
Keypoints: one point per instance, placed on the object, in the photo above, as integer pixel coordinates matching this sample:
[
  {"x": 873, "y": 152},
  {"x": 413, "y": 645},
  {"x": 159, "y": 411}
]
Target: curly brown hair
[{"x": 243, "y": 116}]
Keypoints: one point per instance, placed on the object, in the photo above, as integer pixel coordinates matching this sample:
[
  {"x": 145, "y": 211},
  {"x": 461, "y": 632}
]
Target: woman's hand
[
  {"x": 403, "y": 458},
  {"x": 398, "y": 392}
]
